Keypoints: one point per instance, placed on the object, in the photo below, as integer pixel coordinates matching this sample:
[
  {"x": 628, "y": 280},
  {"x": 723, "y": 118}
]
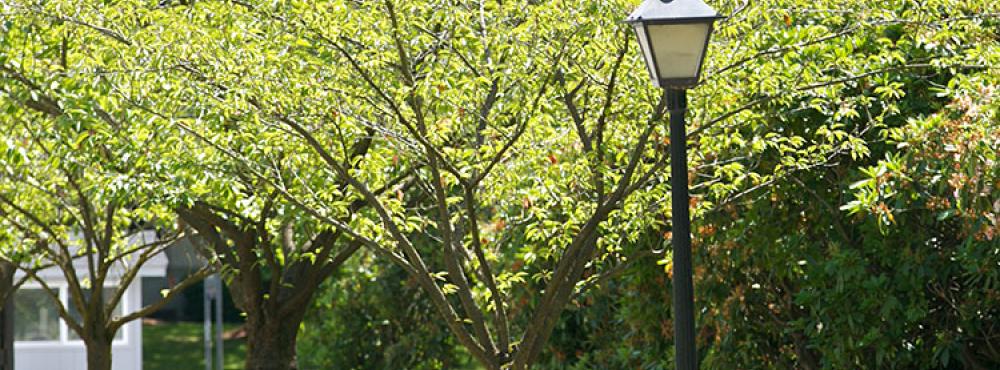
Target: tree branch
[{"x": 199, "y": 275}]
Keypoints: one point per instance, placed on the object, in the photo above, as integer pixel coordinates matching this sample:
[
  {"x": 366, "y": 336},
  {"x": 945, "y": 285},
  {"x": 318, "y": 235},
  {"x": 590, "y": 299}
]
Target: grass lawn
[{"x": 172, "y": 346}]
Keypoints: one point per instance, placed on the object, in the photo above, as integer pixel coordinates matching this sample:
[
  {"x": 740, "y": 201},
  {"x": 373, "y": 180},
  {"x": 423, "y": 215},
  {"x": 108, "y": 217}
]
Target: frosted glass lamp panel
[
  {"x": 678, "y": 48},
  {"x": 640, "y": 34}
]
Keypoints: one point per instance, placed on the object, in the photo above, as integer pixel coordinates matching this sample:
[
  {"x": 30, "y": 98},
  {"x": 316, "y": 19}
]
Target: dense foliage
[
  {"x": 491, "y": 174},
  {"x": 350, "y": 325}
]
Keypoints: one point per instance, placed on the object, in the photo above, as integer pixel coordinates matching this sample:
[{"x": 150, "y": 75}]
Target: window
[{"x": 36, "y": 317}]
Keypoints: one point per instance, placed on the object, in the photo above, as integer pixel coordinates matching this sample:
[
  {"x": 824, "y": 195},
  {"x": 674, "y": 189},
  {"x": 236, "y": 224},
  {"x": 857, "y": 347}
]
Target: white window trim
[{"x": 64, "y": 329}]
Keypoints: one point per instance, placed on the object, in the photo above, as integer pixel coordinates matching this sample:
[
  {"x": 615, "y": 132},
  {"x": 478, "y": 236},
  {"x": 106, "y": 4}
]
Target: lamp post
[{"x": 673, "y": 36}]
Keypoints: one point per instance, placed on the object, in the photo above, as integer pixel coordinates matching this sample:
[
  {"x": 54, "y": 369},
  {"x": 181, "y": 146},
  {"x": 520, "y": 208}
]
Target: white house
[{"x": 43, "y": 341}]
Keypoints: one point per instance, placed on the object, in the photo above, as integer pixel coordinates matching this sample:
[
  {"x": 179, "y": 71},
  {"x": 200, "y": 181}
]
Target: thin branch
[
  {"x": 615, "y": 271},
  {"x": 500, "y": 316},
  {"x": 764, "y": 99},
  {"x": 421, "y": 272},
  {"x": 174, "y": 292}
]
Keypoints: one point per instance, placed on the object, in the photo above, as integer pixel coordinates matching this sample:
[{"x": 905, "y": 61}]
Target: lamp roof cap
[{"x": 672, "y": 10}]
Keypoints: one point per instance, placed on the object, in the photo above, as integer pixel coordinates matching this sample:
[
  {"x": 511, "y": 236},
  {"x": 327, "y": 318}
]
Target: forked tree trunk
[
  {"x": 271, "y": 345},
  {"x": 274, "y": 307}
]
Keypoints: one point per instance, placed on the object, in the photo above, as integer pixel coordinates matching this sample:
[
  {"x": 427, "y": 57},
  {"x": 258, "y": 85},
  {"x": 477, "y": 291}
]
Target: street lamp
[{"x": 673, "y": 35}]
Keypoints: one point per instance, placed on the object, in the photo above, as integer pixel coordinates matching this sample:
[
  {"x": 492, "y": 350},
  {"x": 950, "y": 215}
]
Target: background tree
[
  {"x": 75, "y": 180},
  {"x": 274, "y": 256},
  {"x": 275, "y": 264}
]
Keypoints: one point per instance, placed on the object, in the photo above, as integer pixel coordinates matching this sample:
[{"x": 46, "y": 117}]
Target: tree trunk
[
  {"x": 7, "y": 270},
  {"x": 271, "y": 344},
  {"x": 98, "y": 354}
]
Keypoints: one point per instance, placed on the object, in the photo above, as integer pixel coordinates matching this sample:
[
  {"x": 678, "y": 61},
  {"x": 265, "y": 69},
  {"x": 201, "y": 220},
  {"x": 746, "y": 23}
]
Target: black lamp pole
[
  {"x": 673, "y": 37},
  {"x": 684, "y": 345}
]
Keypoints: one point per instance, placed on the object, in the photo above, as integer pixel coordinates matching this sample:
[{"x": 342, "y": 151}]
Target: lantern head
[{"x": 673, "y": 36}]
